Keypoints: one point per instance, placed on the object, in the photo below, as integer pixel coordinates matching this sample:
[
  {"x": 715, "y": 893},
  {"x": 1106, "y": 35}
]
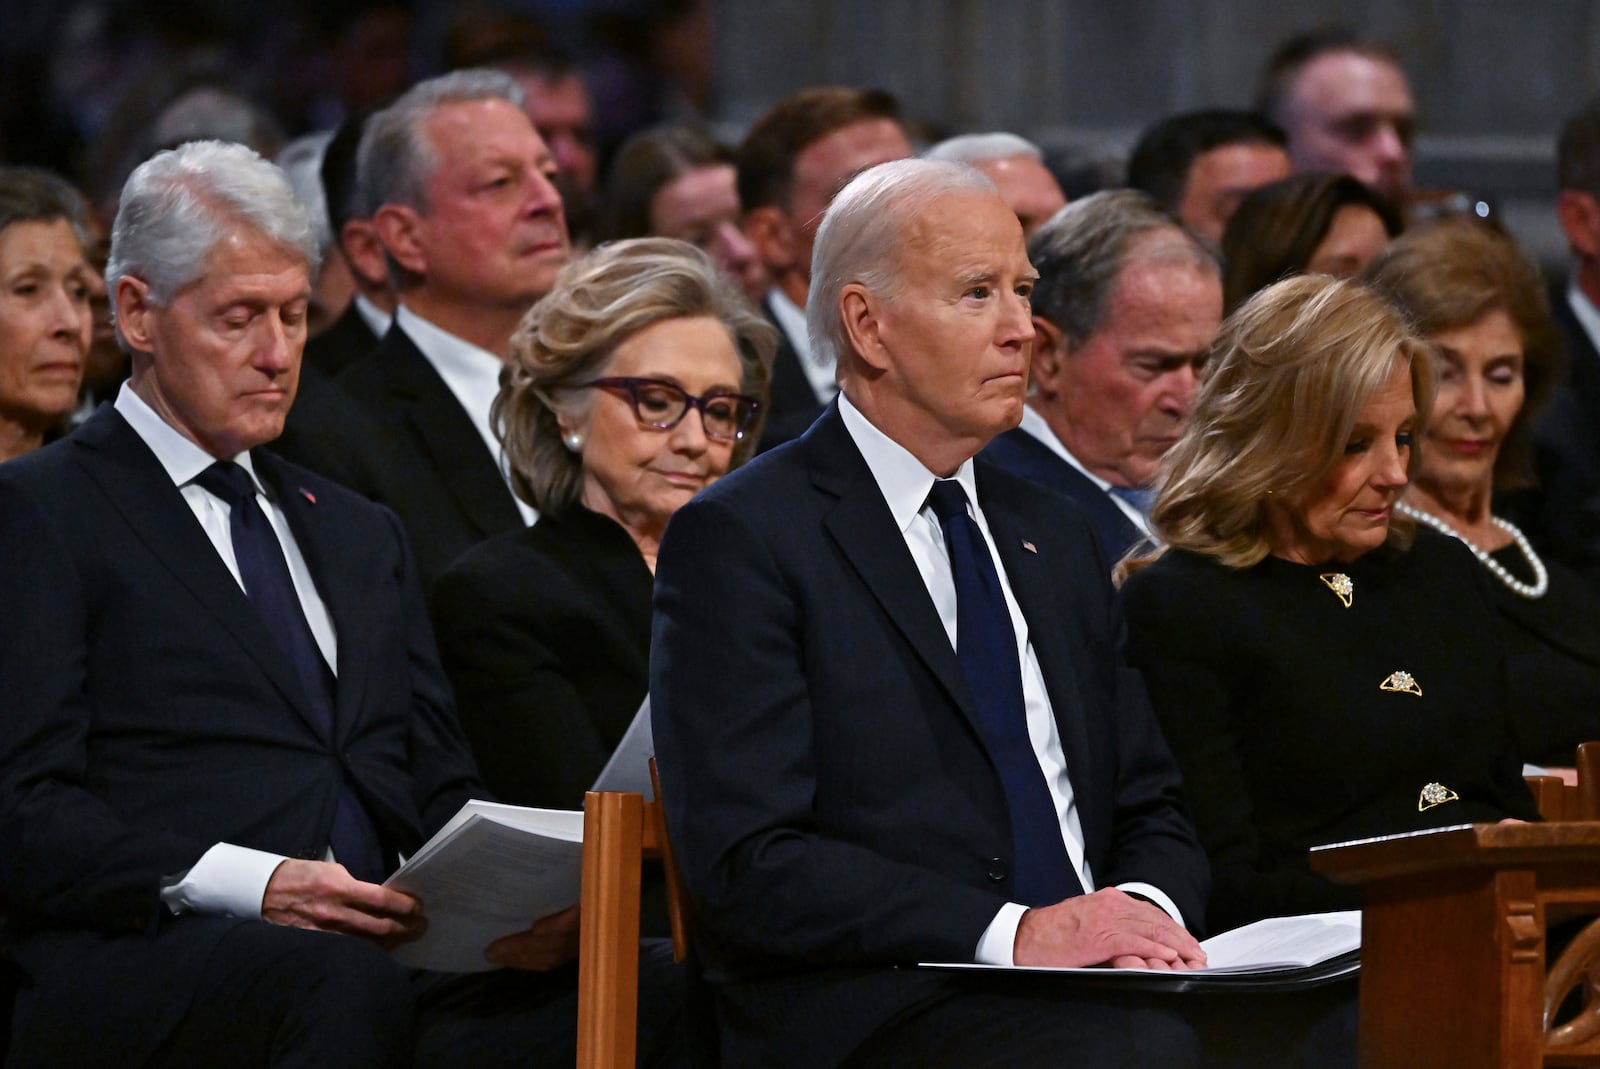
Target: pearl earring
[{"x": 574, "y": 442}]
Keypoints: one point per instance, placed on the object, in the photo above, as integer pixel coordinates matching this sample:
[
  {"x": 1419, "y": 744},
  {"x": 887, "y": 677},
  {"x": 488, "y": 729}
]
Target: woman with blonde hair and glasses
[
  {"x": 635, "y": 383},
  {"x": 1322, "y": 669}
]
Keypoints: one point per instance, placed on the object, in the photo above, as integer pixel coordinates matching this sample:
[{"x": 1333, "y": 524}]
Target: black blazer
[
  {"x": 545, "y": 633},
  {"x": 792, "y": 403},
  {"x": 414, "y": 449},
  {"x": 1553, "y": 659},
  {"x": 149, "y": 715},
  {"x": 345, "y": 341},
  {"x": 1022, "y": 454},
  {"x": 1563, "y": 515},
  {"x": 833, "y": 808},
  {"x": 1270, "y": 691}
]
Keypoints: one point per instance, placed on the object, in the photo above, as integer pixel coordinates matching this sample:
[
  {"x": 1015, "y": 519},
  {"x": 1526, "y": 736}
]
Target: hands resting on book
[
  {"x": 1106, "y": 926},
  {"x": 323, "y": 896}
]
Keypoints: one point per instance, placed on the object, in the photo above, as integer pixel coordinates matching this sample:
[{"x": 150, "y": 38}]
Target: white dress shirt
[
  {"x": 905, "y": 483},
  {"x": 1587, "y": 314},
  {"x": 473, "y": 376},
  {"x": 1035, "y": 424},
  {"x": 376, "y": 319},
  {"x": 227, "y": 879},
  {"x": 792, "y": 321}
]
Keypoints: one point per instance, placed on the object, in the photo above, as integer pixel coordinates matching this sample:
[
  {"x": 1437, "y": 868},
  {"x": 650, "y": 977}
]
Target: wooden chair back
[
  {"x": 620, "y": 832},
  {"x": 1558, "y": 800}
]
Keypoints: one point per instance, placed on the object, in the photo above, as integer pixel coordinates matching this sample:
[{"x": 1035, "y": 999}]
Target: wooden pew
[{"x": 1454, "y": 933}]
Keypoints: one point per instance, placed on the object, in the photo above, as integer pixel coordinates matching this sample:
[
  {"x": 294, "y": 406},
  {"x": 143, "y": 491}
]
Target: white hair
[
  {"x": 301, "y": 160},
  {"x": 395, "y": 157},
  {"x": 862, "y": 236},
  {"x": 179, "y": 203},
  {"x": 981, "y": 148}
]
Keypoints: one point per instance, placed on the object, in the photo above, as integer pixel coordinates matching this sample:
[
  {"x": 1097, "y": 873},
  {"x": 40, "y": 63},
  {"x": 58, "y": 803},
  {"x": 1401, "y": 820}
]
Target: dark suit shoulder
[{"x": 345, "y": 341}]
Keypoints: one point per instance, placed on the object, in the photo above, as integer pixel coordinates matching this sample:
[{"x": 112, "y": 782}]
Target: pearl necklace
[{"x": 1541, "y": 577}]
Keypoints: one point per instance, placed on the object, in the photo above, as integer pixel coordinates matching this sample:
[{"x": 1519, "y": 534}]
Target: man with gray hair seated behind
[
  {"x": 224, "y": 715},
  {"x": 1016, "y": 167},
  {"x": 458, "y": 186},
  {"x": 1127, "y": 303}
]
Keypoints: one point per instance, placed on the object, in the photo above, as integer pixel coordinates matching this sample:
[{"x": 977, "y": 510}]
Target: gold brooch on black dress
[
  {"x": 1435, "y": 794},
  {"x": 1340, "y": 584},
  {"x": 1401, "y": 682}
]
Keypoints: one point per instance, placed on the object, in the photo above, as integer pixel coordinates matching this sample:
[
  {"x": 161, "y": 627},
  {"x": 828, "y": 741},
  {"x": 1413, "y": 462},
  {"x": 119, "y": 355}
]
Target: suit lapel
[
  {"x": 1035, "y": 575},
  {"x": 864, "y": 529},
  {"x": 133, "y": 480},
  {"x": 446, "y": 436}
]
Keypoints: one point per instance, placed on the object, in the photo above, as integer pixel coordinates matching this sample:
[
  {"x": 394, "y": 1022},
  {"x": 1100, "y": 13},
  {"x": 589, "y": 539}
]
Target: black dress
[
  {"x": 1272, "y": 695},
  {"x": 545, "y": 635},
  {"x": 1553, "y": 653}
]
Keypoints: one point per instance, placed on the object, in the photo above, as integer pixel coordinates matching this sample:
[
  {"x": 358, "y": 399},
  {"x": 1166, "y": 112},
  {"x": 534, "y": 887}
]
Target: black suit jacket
[
  {"x": 1563, "y": 518},
  {"x": 831, "y": 803},
  {"x": 1270, "y": 690},
  {"x": 545, "y": 633},
  {"x": 345, "y": 341},
  {"x": 414, "y": 450},
  {"x": 1022, "y": 454},
  {"x": 793, "y": 404},
  {"x": 150, "y": 715}
]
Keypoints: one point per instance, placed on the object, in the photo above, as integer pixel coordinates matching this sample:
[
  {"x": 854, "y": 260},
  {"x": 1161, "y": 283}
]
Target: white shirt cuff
[
  {"x": 228, "y": 880},
  {"x": 1156, "y": 895},
  {"x": 999, "y": 942}
]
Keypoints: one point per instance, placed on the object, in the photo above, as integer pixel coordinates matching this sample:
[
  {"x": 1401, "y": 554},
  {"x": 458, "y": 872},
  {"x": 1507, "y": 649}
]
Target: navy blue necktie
[
  {"x": 986, "y": 646},
  {"x": 1141, "y": 500},
  {"x": 271, "y": 592}
]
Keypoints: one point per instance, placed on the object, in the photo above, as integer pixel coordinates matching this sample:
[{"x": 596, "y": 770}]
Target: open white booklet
[
  {"x": 494, "y": 869},
  {"x": 1267, "y": 947}
]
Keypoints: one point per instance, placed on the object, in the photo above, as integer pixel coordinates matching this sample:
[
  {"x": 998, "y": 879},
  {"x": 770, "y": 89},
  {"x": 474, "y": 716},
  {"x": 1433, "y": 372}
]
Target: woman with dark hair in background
[
  {"x": 1320, "y": 224},
  {"x": 677, "y": 182},
  {"x": 1471, "y": 293}
]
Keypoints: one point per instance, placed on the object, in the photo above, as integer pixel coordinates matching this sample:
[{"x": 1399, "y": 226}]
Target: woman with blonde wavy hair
[
  {"x": 1322, "y": 669},
  {"x": 634, "y": 383}
]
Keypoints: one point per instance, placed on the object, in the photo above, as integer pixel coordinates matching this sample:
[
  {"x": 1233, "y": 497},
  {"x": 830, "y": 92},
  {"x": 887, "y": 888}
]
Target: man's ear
[
  {"x": 1049, "y": 351},
  {"x": 134, "y": 310},
  {"x": 364, "y": 252},
  {"x": 770, "y": 231},
  {"x": 398, "y": 227},
  {"x": 861, "y": 310},
  {"x": 1579, "y": 213}
]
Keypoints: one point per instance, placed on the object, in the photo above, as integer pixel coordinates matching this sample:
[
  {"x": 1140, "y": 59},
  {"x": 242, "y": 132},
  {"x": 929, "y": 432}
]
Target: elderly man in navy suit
[
  {"x": 892, "y": 715},
  {"x": 1127, "y": 304},
  {"x": 224, "y": 716}
]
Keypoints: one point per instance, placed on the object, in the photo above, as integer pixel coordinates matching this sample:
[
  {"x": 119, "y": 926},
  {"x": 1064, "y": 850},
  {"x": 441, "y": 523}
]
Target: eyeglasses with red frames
[{"x": 662, "y": 405}]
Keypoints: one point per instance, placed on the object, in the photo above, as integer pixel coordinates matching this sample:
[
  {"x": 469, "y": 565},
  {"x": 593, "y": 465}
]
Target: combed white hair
[
  {"x": 863, "y": 234},
  {"x": 980, "y": 148},
  {"x": 179, "y": 203},
  {"x": 395, "y": 158}
]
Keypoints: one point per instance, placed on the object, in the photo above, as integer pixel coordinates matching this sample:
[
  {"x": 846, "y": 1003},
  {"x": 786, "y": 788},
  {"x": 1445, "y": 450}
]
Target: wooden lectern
[{"x": 1453, "y": 967}]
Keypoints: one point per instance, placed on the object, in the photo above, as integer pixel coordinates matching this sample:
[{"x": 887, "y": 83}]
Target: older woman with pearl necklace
[{"x": 1480, "y": 303}]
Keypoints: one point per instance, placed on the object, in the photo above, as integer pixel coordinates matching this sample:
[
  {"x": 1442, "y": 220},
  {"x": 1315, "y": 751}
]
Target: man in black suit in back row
[
  {"x": 791, "y": 163},
  {"x": 459, "y": 188},
  {"x": 892, "y": 715},
  {"x": 224, "y": 717}
]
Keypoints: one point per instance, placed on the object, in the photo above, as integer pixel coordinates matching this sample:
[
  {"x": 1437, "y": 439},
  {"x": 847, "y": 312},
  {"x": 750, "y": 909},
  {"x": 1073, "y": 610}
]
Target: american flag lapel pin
[
  {"x": 1029, "y": 546},
  {"x": 308, "y": 495}
]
